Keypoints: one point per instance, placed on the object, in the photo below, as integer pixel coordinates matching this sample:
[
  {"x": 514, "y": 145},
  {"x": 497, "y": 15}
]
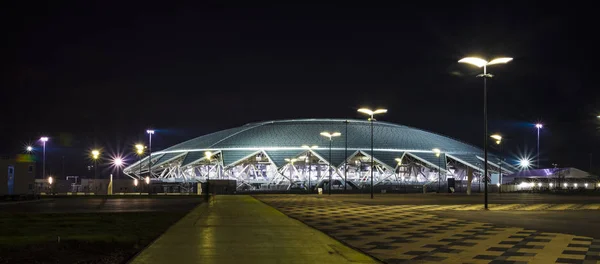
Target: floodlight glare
[
  {"x": 29, "y": 148},
  {"x": 524, "y": 163},
  {"x": 149, "y": 131},
  {"x": 538, "y": 125},
  {"x": 44, "y": 139},
  {"x": 50, "y": 180}
]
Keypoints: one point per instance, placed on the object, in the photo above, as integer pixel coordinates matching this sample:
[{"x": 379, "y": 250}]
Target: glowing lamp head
[
  {"x": 566, "y": 184},
  {"x": 44, "y": 139},
  {"x": 150, "y": 131},
  {"x": 147, "y": 180},
  {"x": 29, "y": 148},
  {"x": 551, "y": 184},
  {"x": 539, "y": 126},
  {"x": 399, "y": 160},
  {"x": 586, "y": 185},
  {"x": 539, "y": 184},
  {"x": 524, "y": 163},
  {"x": 575, "y": 184},
  {"x": 139, "y": 149},
  {"x": 135, "y": 182},
  {"x": 95, "y": 154},
  {"x": 436, "y": 151},
  {"x": 50, "y": 180},
  {"x": 118, "y": 162},
  {"x": 208, "y": 154}
]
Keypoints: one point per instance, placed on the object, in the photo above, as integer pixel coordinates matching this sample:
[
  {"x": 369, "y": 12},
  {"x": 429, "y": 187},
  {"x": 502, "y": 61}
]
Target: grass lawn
[{"x": 84, "y": 237}]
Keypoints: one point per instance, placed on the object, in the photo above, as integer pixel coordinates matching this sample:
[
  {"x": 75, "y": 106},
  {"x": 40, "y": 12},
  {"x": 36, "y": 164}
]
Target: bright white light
[
  {"x": 290, "y": 160},
  {"x": 44, "y": 139},
  {"x": 149, "y": 131},
  {"x": 29, "y": 148},
  {"x": 474, "y": 61},
  {"x": 330, "y": 135},
  {"x": 95, "y": 154},
  {"x": 575, "y": 184},
  {"x": 147, "y": 180},
  {"x": 498, "y": 184},
  {"x": 551, "y": 184},
  {"x": 523, "y": 184},
  {"x": 540, "y": 184},
  {"x": 500, "y": 61},
  {"x": 566, "y": 184},
  {"x": 399, "y": 160},
  {"x": 118, "y": 162},
  {"x": 531, "y": 184},
  {"x": 538, "y": 125},
  {"x": 586, "y": 185},
  {"x": 481, "y": 62},
  {"x": 207, "y": 154},
  {"x": 437, "y": 151},
  {"x": 50, "y": 180},
  {"x": 135, "y": 182},
  {"x": 524, "y": 163}
]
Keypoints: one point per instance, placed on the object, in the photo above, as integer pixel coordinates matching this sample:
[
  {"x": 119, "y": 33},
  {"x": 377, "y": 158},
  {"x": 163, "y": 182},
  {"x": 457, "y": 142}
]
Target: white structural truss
[
  {"x": 258, "y": 171},
  {"x": 270, "y": 156}
]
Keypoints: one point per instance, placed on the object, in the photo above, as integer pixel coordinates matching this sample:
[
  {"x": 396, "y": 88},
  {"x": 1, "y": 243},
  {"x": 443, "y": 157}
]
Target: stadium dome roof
[{"x": 283, "y": 139}]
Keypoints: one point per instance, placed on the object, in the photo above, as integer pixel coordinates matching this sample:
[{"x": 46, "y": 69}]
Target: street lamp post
[
  {"x": 330, "y": 136},
  {"x": 538, "y": 126},
  {"x": 291, "y": 162},
  {"x": 208, "y": 156},
  {"x": 437, "y": 152},
  {"x": 150, "y": 132},
  {"x": 371, "y": 113},
  {"x": 498, "y": 139},
  {"x": 308, "y": 160},
  {"x": 118, "y": 162},
  {"x": 95, "y": 156},
  {"x": 44, "y": 140},
  {"x": 483, "y": 63}
]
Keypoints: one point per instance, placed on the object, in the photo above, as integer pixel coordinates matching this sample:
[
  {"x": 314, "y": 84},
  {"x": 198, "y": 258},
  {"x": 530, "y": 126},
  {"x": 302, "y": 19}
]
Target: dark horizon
[{"x": 98, "y": 75}]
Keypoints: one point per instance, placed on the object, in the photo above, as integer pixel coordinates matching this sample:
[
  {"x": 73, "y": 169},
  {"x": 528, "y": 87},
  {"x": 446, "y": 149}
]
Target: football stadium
[{"x": 314, "y": 153}]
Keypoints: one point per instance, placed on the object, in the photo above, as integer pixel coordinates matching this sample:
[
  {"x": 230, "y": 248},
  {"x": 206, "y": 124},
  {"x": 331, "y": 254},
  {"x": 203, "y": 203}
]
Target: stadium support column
[{"x": 469, "y": 179}]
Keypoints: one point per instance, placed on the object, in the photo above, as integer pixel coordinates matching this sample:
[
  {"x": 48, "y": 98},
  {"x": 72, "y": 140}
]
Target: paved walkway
[
  {"x": 398, "y": 234},
  {"x": 241, "y": 229}
]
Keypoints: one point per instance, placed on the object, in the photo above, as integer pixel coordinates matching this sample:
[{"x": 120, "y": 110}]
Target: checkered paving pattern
[
  {"x": 400, "y": 234},
  {"x": 501, "y": 207}
]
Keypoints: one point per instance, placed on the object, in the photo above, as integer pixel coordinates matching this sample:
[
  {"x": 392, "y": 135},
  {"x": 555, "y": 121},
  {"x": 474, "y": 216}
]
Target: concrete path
[{"x": 241, "y": 229}]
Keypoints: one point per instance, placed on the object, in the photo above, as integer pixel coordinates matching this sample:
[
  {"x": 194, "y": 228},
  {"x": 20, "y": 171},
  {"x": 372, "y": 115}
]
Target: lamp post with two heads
[
  {"x": 330, "y": 136},
  {"x": 371, "y": 113},
  {"x": 481, "y": 63}
]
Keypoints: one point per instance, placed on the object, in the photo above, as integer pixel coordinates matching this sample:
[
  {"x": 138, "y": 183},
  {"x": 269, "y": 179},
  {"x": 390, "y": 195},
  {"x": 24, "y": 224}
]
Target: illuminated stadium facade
[{"x": 273, "y": 155}]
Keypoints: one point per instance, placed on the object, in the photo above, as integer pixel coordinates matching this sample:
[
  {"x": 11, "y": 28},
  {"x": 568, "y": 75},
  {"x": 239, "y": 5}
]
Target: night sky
[{"x": 100, "y": 74}]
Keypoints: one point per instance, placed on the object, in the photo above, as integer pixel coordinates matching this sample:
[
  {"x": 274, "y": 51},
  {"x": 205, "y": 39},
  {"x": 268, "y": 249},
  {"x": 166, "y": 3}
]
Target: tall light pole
[
  {"x": 498, "y": 139},
  {"x": 139, "y": 150},
  {"x": 150, "y": 132},
  {"x": 371, "y": 113},
  {"x": 483, "y": 63},
  {"x": 95, "y": 156},
  {"x": 330, "y": 136},
  {"x": 44, "y": 140},
  {"x": 437, "y": 152},
  {"x": 291, "y": 162},
  {"x": 308, "y": 160},
  {"x": 118, "y": 163},
  {"x": 346, "y": 155},
  {"x": 208, "y": 156},
  {"x": 538, "y": 126}
]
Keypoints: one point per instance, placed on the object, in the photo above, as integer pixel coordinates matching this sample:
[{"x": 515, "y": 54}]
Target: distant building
[
  {"x": 17, "y": 176},
  {"x": 552, "y": 178}
]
